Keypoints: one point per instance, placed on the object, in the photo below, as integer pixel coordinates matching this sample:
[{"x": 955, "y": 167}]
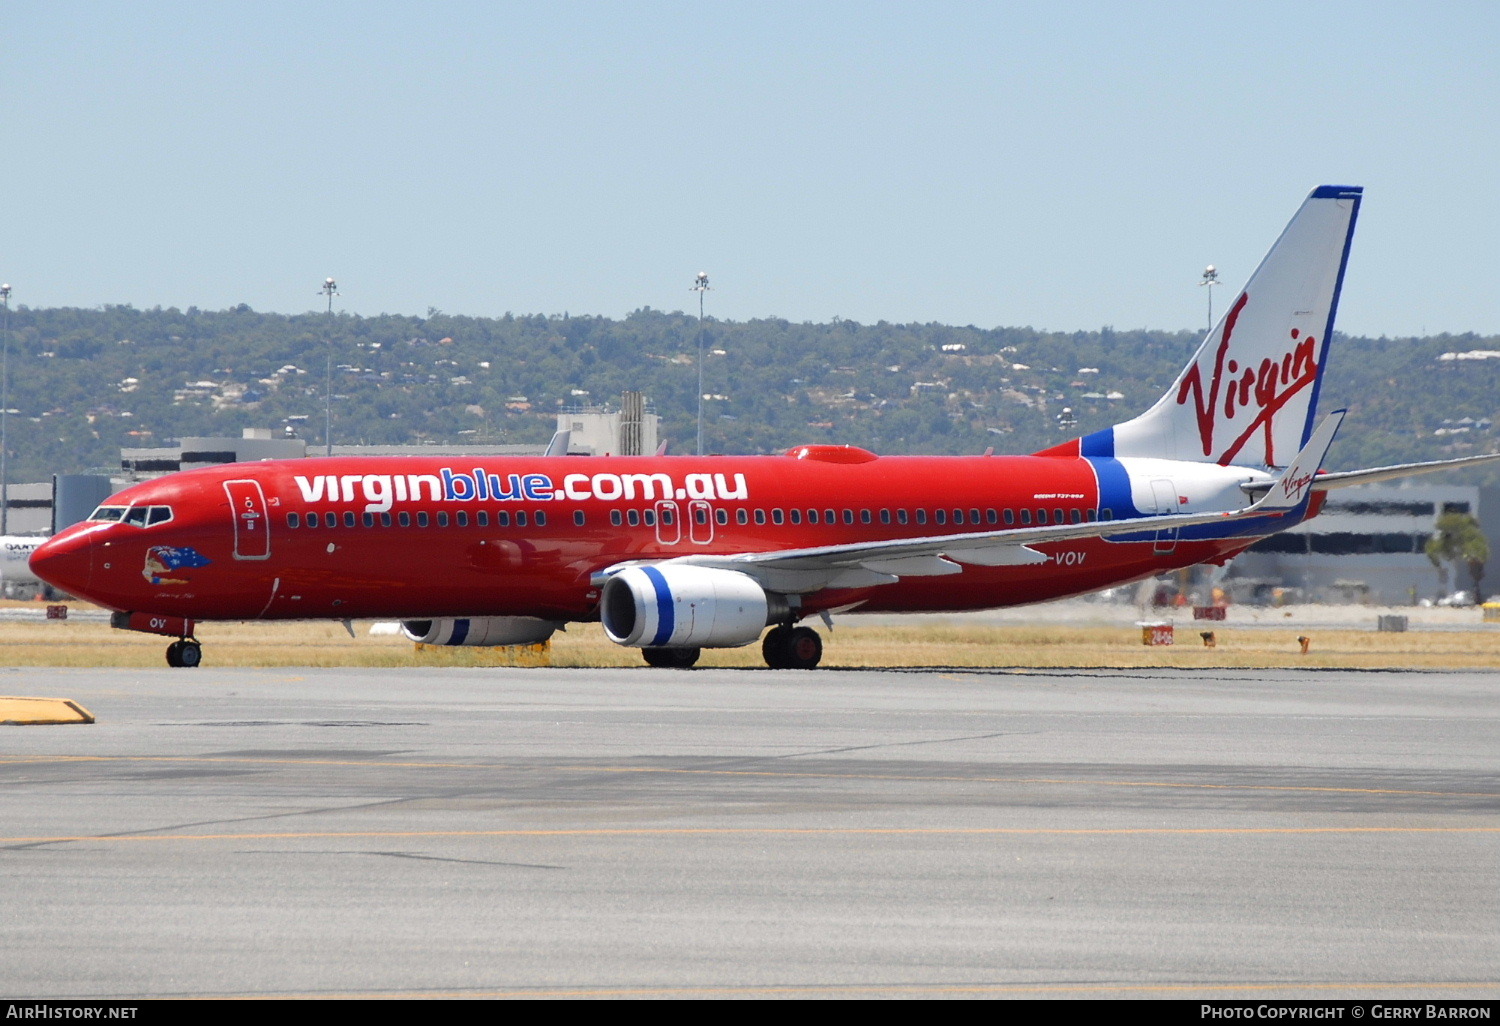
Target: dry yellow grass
[{"x": 79, "y": 643}]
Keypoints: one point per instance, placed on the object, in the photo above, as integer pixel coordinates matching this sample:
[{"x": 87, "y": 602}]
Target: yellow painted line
[
  {"x": 771, "y": 774},
  {"x": 754, "y": 832},
  {"x": 39, "y": 711},
  {"x": 1376, "y": 987}
]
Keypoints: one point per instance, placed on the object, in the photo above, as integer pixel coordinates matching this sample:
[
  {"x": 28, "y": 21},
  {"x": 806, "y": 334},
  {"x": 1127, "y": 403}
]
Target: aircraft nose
[{"x": 66, "y": 562}]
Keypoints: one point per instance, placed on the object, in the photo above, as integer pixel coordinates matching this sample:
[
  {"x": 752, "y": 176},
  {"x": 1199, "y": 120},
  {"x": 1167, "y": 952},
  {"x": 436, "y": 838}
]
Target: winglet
[
  {"x": 559, "y": 444},
  {"x": 1295, "y": 485}
]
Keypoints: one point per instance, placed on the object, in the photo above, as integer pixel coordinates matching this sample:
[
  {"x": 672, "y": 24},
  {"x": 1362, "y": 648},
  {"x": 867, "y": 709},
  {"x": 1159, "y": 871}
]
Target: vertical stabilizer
[{"x": 1250, "y": 394}]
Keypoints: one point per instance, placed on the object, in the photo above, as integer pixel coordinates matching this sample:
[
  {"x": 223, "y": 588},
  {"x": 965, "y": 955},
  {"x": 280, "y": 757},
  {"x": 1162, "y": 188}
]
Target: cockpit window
[{"x": 140, "y": 516}]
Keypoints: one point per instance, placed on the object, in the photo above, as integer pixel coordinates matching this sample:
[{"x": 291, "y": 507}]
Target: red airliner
[{"x": 676, "y": 554}]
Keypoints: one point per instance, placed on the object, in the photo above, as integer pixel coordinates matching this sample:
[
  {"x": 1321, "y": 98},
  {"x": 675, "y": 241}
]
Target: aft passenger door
[{"x": 1164, "y": 492}]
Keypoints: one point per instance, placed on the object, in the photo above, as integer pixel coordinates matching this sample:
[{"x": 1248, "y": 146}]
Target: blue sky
[{"x": 1065, "y": 166}]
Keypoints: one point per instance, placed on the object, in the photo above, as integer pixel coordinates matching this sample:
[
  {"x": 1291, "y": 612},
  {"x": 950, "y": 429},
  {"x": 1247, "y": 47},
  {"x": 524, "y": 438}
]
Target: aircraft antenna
[
  {"x": 330, "y": 289},
  {"x": 700, "y": 286}
]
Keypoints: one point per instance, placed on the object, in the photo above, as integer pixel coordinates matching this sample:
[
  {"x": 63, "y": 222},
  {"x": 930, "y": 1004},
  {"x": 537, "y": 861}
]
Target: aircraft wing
[{"x": 864, "y": 564}]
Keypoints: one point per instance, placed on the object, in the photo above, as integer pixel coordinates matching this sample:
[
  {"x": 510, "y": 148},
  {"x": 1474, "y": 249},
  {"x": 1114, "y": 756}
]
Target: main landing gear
[
  {"x": 185, "y": 652},
  {"x": 784, "y": 647},
  {"x": 792, "y": 648},
  {"x": 671, "y": 658}
]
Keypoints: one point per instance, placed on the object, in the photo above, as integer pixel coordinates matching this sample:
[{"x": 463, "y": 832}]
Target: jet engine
[
  {"x": 485, "y": 630},
  {"x": 675, "y": 606}
]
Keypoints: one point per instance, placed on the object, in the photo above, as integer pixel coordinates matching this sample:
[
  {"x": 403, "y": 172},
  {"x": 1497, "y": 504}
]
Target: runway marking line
[
  {"x": 756, "y": 831},
  {"x": 373, "y": 763},
  {"x": 875, "y": 988}
]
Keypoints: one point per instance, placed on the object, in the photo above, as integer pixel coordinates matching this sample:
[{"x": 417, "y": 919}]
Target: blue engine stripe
[
  {"x": 664, "y": 618},
  {"x": 460, "y": 632}
]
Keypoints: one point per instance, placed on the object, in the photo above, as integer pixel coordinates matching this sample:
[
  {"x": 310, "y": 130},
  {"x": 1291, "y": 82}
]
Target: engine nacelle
[
  {"x": 684, "y": 607},
  {"x": 481, "y": 630}
]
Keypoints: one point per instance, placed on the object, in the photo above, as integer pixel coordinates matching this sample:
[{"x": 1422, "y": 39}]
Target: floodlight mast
[
  {"x": 5, "y": 413},
  {"x": 329, "y": 289},
  {"x": 1210, "y": 278},
  {"x": 700, "y": 286}
]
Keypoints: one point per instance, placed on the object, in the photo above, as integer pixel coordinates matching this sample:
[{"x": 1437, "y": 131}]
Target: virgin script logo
[{"x": 1262, "y": 389}]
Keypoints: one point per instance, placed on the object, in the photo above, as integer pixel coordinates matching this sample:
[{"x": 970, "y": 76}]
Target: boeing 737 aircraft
[{"x": 677, "y": 554}]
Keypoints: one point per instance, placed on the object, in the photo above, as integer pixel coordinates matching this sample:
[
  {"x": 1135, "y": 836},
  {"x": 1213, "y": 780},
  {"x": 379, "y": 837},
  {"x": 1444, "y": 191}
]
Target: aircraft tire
[
  {"x": 671, "y": 658},
  {"x": 792, "y": 648},
  {"x": 774, "y": 647},
  {"x": 174, "y": 654},
  {"x": 804, "y": 649},
  {"x": 190, "y": 655}
]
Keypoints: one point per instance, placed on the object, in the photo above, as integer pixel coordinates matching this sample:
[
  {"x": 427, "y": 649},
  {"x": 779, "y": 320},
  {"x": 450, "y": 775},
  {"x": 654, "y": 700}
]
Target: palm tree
[{"x": 1458, "y": 540}]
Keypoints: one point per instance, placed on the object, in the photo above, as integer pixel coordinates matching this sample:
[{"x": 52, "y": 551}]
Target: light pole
[
  {"x": 5, "y": 414},
  {"x": 1210, "y": 278},
  {"x": 329, "y": 289},
  {"x": 700, "y": 286}
]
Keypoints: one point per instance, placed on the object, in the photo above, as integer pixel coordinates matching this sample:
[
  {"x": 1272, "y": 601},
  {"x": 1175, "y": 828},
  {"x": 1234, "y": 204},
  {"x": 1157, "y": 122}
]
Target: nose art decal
[{"x": 163, "y": 560}]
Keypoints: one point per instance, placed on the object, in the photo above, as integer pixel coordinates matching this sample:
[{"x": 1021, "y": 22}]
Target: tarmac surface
[{"x": 1239, "y": 835}]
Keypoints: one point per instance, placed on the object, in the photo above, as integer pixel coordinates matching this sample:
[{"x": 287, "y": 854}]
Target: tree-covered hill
[{"x": 84, "y": 383}]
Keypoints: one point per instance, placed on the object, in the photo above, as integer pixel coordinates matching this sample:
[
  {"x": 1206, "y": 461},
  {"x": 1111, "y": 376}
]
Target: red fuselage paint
[{"x": 408, "y": 537}]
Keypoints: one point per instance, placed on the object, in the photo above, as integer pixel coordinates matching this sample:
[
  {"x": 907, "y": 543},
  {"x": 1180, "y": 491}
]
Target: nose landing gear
[{"x": 186, "y": 652}]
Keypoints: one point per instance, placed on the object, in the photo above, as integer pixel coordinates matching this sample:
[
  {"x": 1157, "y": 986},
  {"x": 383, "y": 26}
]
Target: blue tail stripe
[
  {"x": 665, "y": 621},
  {"x": 1100, "y": 443},
  {"x": 1114, "y": 488}
]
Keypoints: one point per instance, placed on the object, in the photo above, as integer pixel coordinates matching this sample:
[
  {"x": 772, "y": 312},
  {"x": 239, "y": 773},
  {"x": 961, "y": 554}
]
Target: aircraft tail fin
[{"x": 1249, "y": 396}]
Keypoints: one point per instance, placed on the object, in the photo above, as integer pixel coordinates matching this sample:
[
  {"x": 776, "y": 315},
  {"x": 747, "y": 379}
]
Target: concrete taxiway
[{"x": 1217, "y": 835}]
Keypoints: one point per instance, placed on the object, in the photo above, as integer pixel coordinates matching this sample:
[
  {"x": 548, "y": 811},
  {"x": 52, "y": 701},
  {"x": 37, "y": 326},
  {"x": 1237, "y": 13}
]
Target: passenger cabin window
[
  {"x": 349, "y": 519},
  {"x": 294, "y": 520},
  {"x": 332, "y": 520},
  {"x": 614, "y": 517},
  {"x": 369, "y": 519},
  {"x": 577, "y": 517},
  {"x": 404, "y": 518},
  {"x": 900, "y": 516},
  {"x": 442, "y": 518},
  {"x": 776, "y": 516}
]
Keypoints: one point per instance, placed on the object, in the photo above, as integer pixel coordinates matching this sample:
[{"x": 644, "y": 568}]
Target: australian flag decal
[{"x": 162, "y": 560}]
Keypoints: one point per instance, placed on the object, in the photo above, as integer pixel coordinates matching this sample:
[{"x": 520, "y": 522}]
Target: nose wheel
[
  {"x": 792, "y": 648},
  {"x": 184, "y": 653}
]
